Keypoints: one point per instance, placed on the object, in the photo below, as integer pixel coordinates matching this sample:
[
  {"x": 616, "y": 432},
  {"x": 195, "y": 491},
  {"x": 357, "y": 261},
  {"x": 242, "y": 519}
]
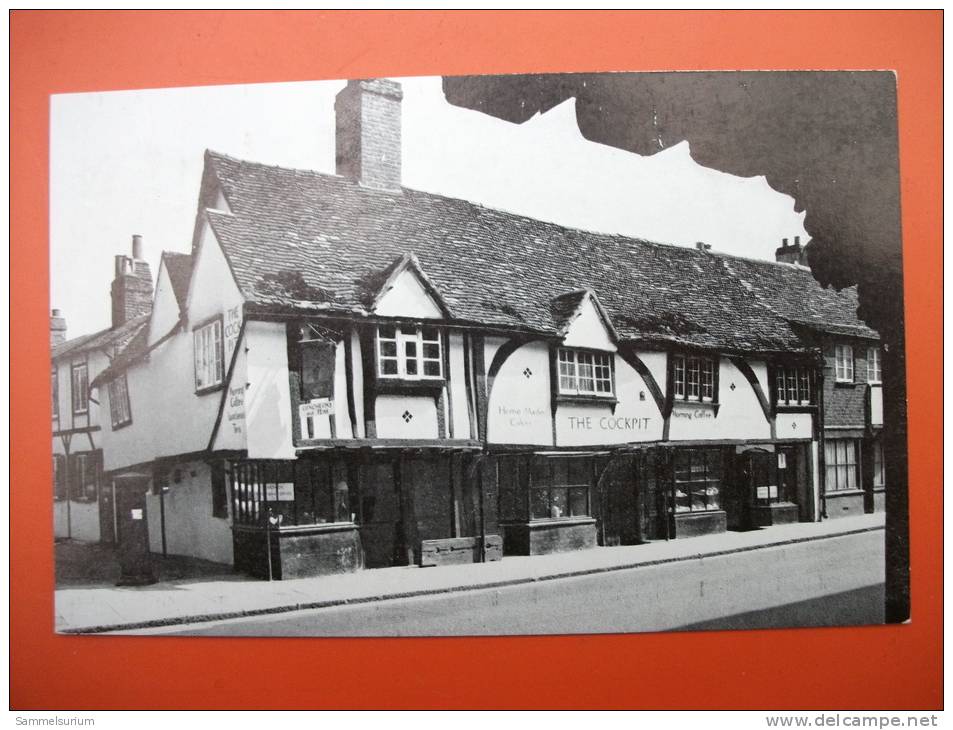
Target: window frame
[
  {"x": 219, "y": 355},
  {"x": 848, "y": 363},
  {"x": 705, "y": 455},
  {"x": 414, "y": 334},
  {"x": 798, "y": 375},
  {"x": 874, "y": 374},
  {"x": 606, "y": 366},
  {"x": 693, "y": 372},
  {"x": 534, "y": 488},
  {"x": 111, "y": 390},
  {"x": 85, "y": 466},
  {"x": 846, "y": 467},
  {"x": 74, "y": 369},
  {"x": 878, "y": 464}
]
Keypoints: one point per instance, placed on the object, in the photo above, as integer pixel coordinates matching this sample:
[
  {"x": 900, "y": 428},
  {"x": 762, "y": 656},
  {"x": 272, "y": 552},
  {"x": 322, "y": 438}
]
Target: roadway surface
[{"x": 827, "y": 582}]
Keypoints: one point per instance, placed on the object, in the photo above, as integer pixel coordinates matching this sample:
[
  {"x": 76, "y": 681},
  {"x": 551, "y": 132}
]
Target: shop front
[{"x": 339, "y": 511}]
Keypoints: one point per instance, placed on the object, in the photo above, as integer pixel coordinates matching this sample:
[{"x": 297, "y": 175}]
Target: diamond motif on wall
[
  {"x": 732, "y": 386},
  {"x": 528, "y": 373},
  {"x": 408, "y": 416}
]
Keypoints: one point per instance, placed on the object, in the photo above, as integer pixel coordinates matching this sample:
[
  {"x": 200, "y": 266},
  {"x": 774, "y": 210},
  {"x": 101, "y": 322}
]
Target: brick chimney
[
  {"x": 57, "y": 327},
  {"x": 793, "y": 254},
  {"x": 367, "y": 133},
  {"x": 132, "y": 286}
]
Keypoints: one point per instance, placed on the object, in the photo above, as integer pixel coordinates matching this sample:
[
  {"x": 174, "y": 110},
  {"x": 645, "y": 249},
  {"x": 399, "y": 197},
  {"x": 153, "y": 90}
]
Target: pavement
[{"x": 213, "y": 593}]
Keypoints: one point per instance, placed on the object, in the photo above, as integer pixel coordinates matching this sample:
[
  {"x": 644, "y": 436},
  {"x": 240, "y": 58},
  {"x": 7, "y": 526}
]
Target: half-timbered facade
[{"x": 361, "y": 374}]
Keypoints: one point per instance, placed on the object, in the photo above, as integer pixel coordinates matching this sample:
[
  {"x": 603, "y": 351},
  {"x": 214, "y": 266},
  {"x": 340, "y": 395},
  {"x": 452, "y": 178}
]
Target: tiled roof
[
  {"x": 310, "y": 241},
  {"x": 115, "y": 339},
  {"x": 793, "y": 292},
  {"x": 179, "y": 266}
]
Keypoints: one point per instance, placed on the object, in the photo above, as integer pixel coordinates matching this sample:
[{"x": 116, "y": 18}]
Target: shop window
[
  {"x": 693, "y": 378},
  {"x": 878, "y": 465},
  {"x": 840, "y": 465},
  {"x": 584, "y": 373},
  {"x": 119, "y": 410},
  {"x": 209, "y": 358},
  {"x": 79, "y": 388},
  {"x": 412, "y": 353},
  {"x": 844, "y": 364},
  {"x": 698, "y": 479},
  {"x": 560, "y": 487},
  {"x": 55, "y": 382},
  {"x": 301, "y": 492},
  {"x": 874, "y": 374},
  {"x": 84, "y": 476},
  {"x": 793, "y": 385}
]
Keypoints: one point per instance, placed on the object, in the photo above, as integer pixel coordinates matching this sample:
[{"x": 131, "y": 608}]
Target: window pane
[
  {"x": 679, "y": 376},
  {"x": 692, "y": 377},
  {"x": 708, "y": 379},
  {"x": 388, "y": 348},
  {"x": 539, "y": 504},
  {"x": 584, "y": 374},
  {"x": 804, "y": 379},
  {"x": 431, "y": 350},
  {"x": 389, "y": 367},
  {"x": 792, "y": 385},
  {"x": 387, "y": 331},
  {"x": 781, "y": 392},
  {"x": 578, "y": 502},
  {"x": 432, "y": 368},
  {"x": 560, "y": 502}
]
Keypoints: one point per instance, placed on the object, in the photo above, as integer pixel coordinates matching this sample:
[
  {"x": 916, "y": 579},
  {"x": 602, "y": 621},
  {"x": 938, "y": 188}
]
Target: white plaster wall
[
  {"x": 190, "y": 528},
  {"x": 657, "y": 365},
  {"x": 407, "y": 297},
  {"x": 83, "y": 520},
  {"x": 490, "y": 346},
  {"x": 458, "y": 387},
  {"x": 268, "y": 398},
  {"x": 168, "y": 417},
  {"x": 634, "y": 420},
  {"x": 233, "y": 431},
  {"x": 389, "y": 410},
  {"x": 342, "y": 420},
  {"x": 519, "y": 407},
  {"x": 357, "y": 371},
  {"x": 761, "y": 373},
  {"x": 739, "y": 417},
  {"x": 165, "y": 308},
  {"x": 794, "y": 425},
  {"x": 876, "y": 405},
  {"x": 588, "y": 330}
]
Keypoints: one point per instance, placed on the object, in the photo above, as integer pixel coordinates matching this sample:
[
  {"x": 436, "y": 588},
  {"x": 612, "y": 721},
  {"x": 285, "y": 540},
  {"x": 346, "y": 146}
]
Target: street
[{"x": 836, "y": 581}]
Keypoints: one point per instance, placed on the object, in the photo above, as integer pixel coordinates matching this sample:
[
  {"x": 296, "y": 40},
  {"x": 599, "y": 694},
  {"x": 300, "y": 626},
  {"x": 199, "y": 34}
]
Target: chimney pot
[
  {"x": 797, "y": 240},
  {"x": 57, "y": 327},
  {"x": 137, "y": 247},
  {"x": 784, "y": 243}
]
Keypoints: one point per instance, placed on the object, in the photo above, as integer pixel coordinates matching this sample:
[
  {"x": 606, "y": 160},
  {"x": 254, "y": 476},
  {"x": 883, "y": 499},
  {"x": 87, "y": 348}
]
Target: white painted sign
[
  {"x": 770, "y": 492},
  {"x": 137, "y": 514},
  {"x": 782, "y": 460},
  {"x": 317, "y": 407},
  {"x": 281, "y": 492}
]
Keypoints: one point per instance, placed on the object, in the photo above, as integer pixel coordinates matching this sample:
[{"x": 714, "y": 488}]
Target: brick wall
[
  {"x": 368, "y": 133},
  {"x": 845, "y": 403}
]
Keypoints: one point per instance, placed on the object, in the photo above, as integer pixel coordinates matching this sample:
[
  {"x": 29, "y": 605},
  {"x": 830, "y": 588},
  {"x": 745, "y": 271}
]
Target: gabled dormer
[
  {"x": 407, "y": 292},
  {"x": 583, "y": 360}
]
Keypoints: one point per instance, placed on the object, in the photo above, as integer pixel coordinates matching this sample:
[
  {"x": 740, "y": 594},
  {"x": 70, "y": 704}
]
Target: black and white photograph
[{"x": 581, "y": 353}]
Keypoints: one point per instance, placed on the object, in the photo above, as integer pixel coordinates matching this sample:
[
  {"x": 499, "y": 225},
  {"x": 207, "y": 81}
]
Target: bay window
[
  {"x": 209, "y": 358},
  {"x": 693, "y": 378},
  {"x": 412, "y": 353},
  {"x": 840, "y": 465},
  {"x": 844, "y": 364},
  {"x": 584, "y": 373}
]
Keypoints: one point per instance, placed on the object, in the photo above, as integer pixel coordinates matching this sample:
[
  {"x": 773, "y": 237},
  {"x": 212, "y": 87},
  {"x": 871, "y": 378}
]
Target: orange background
[{"x": 888, "y": 667}]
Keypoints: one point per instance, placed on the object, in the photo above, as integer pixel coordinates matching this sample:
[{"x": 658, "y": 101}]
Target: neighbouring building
[
  {"x": 353, "y": 374},
  {"x": 82, "y": 501}
]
